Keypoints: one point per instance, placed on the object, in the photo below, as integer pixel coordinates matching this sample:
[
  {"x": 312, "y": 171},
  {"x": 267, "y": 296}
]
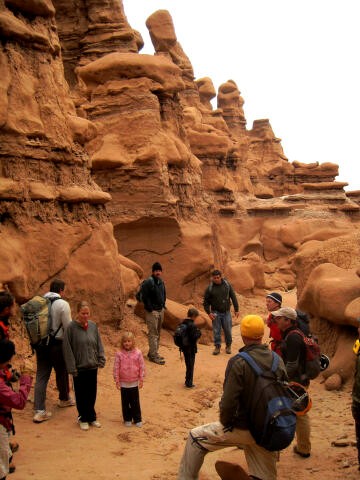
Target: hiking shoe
[
  {"x": 216, "y": 350},
  {"x": 12, "y": 467},
  {"x": 14, "y": 447},
  {"x": 228, "y": 471},
  {"x": 127, "y": 424},
  {"x": 96, "y": 424},
  {"x": 66, "y": 403},
  {"x": 138, "y": 424},
  {"x": 84, "y": 425},
  {"x": 157, "y": 360},
  {"x": 301, "y": 454},
  {"x": 41, "y": 416},
  {"x": 228, "y": 350}
]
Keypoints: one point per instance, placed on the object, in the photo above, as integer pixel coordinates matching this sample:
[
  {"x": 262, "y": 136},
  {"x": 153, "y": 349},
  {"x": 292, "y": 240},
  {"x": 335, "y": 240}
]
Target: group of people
[{"x": 76, "y": 349}]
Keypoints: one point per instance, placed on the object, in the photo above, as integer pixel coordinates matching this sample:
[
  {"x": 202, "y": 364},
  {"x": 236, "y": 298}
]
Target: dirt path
[{"x": 58, "y": 448}]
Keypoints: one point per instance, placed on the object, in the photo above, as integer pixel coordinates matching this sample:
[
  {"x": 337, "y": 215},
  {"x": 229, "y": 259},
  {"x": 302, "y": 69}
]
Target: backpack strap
[{"x": 259, "y": 371}]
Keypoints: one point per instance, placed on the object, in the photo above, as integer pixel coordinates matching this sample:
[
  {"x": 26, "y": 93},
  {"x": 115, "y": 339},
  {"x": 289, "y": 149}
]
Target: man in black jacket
[
  {"x": 154, "y": 298},
  {"x": 217, "y": 298},
  {"x": 293, "y": 352},
  {"x": 233, "y": 427}
]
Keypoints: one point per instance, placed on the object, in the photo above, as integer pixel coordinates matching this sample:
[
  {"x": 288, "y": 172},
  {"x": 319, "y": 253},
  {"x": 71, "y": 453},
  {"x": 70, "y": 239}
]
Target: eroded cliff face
[
  {"x": 122, "y": 151},
  {"x": 53, "y": 216}
]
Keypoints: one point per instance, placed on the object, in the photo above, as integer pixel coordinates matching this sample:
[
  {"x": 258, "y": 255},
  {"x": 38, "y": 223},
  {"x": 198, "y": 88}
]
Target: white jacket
[{"x": 60, "y": 314}]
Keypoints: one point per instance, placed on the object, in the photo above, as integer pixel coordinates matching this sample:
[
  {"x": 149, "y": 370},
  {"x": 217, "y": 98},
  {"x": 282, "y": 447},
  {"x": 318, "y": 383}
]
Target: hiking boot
[
  {"x": 14, "y": 447},
  {"x": 157, "y": 360},
  {"x": 301, "y": 454},
  {"x": 229, "y": 471},
  {"x": 66, "y": 403},
  {"x": 216, "y": 350},
  {"x": 228, "y": 349},
  {"x": 12, "y": 467},
  {"x": 41, "y": 416},
  {"x": 96, "y": 424}
]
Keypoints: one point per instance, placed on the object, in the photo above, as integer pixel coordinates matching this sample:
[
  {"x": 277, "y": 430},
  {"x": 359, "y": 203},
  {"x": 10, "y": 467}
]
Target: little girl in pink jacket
[{"x": 129, "y": 371}]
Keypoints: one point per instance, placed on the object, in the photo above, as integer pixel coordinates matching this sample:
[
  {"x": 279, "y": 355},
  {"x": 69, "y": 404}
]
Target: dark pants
[
  {"x": 85, "y": 386},
  {"x": 189, "y": 356},
  {"x": 355, "y": 409},
  {"x": 48, "y": 358},
  {"x": 130, "y": 403}
]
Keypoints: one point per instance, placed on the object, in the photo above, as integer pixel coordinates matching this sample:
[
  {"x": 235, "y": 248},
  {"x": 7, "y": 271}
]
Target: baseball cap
[{"x": 286, "y": 312}]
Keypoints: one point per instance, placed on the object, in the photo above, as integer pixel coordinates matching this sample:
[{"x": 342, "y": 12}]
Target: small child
[
  {"x": 9, "y": 399},
  {"x": 189, "y": 348},
  {"x": 129, "y": 371}
]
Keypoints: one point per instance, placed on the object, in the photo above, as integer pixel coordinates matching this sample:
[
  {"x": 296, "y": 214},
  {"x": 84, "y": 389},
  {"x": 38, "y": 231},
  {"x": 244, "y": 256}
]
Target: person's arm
[
  {"x": 100, "y": 349},
  {"x": 116, "y": 370},
  {"x": 15, "y": 399},
  {"x": 233, "y": 391},
  {"x": 141, "y": 369},
  {"x": 206, "y": 302},
  {"x": 294, "y": 346},
  {"x": 65, "y": 317},
  {"x": 234, "y": 299},
  {"x": 146, "y": 294},
  {"x": 68, "y": 353}
]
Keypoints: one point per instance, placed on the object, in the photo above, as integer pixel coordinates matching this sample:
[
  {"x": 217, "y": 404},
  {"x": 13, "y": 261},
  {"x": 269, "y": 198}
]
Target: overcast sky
[{"x": 295, "y": 62}]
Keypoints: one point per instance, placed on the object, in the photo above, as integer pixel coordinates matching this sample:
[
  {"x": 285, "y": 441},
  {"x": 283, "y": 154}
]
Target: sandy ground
[{"x": 58, "y": 448}]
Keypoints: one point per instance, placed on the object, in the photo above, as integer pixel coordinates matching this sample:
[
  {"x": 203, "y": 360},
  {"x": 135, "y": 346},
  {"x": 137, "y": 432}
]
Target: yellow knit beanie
[{"x": 252, "y": 326}]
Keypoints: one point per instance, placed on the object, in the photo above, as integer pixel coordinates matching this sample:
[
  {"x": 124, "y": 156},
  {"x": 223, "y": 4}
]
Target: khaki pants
[
  {"x": 154, "y": 322},
  {"x": 212, "y": 437},
  {"x": 303, "y": 433}
]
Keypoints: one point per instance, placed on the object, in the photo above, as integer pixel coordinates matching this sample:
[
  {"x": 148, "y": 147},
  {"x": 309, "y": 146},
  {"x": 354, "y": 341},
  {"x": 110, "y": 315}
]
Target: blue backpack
[{"x": 272, "y": 422}]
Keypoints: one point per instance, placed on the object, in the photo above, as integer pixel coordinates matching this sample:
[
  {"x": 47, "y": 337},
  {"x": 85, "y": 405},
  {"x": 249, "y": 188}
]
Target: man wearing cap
[
  {"x": 293, "y": 352},
  {"x": 273, "y": 302},
  {"x": 217, "y": 298},
  {"x": 233, "y": 429},
  {"x": 154, "y": 298}
]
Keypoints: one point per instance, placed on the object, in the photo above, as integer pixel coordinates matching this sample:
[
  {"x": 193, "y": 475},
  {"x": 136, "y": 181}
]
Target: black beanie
[
  {"x": 276, "y": 297},
  {"x": 156, "y": 266},
  {"x": 7, "y": 350}
]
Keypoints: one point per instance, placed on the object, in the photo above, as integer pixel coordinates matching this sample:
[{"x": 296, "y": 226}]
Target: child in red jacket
[{"x": 9, "y": 400}]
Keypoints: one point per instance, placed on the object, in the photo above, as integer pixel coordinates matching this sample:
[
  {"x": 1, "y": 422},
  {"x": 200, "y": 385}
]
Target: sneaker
[
  {"x": 127, "y": 424},
  {"x": 216, "y": 350},
  {"x": 228, "y": 350},
  {"x": 138, "y": 424},
  {"x": 301, "y": 454},
  {"x": 66, "y": 403},
  {"x": 96, "y": 424},
  {"x": 41, "y": 416},
  {"x": 84, "y": 425}
]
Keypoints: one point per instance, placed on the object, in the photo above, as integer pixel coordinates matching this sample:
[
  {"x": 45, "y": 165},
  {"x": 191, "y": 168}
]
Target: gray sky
[{"x": 295, "y": 62}]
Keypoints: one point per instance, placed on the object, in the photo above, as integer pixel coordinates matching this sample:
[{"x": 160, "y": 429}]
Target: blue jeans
[{"x": 222, "y": 320}]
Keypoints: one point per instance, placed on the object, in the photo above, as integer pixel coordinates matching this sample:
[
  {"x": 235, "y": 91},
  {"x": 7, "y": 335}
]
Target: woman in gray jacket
[{"x": 84, "y": 354}]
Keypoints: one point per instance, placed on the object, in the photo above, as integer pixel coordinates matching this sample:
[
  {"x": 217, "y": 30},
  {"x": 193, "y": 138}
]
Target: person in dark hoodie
[
  {"x": 189, "y": 347},
  {"x": 154, "y": 298}
]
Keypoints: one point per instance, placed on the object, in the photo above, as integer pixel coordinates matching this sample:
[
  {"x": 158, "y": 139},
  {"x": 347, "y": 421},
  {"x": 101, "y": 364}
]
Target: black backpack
[
  {"x": 181, "y": 338},
  {"x": 303, "y": 322},
  {"x": 272, "y": 422},
  {"x": 139, "y": 293},
  {"x": 184, "y": 336}
]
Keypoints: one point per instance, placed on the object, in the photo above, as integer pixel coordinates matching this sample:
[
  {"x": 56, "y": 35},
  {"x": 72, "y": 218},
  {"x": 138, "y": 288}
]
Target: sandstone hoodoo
[{"x": 110, "y": 157}]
